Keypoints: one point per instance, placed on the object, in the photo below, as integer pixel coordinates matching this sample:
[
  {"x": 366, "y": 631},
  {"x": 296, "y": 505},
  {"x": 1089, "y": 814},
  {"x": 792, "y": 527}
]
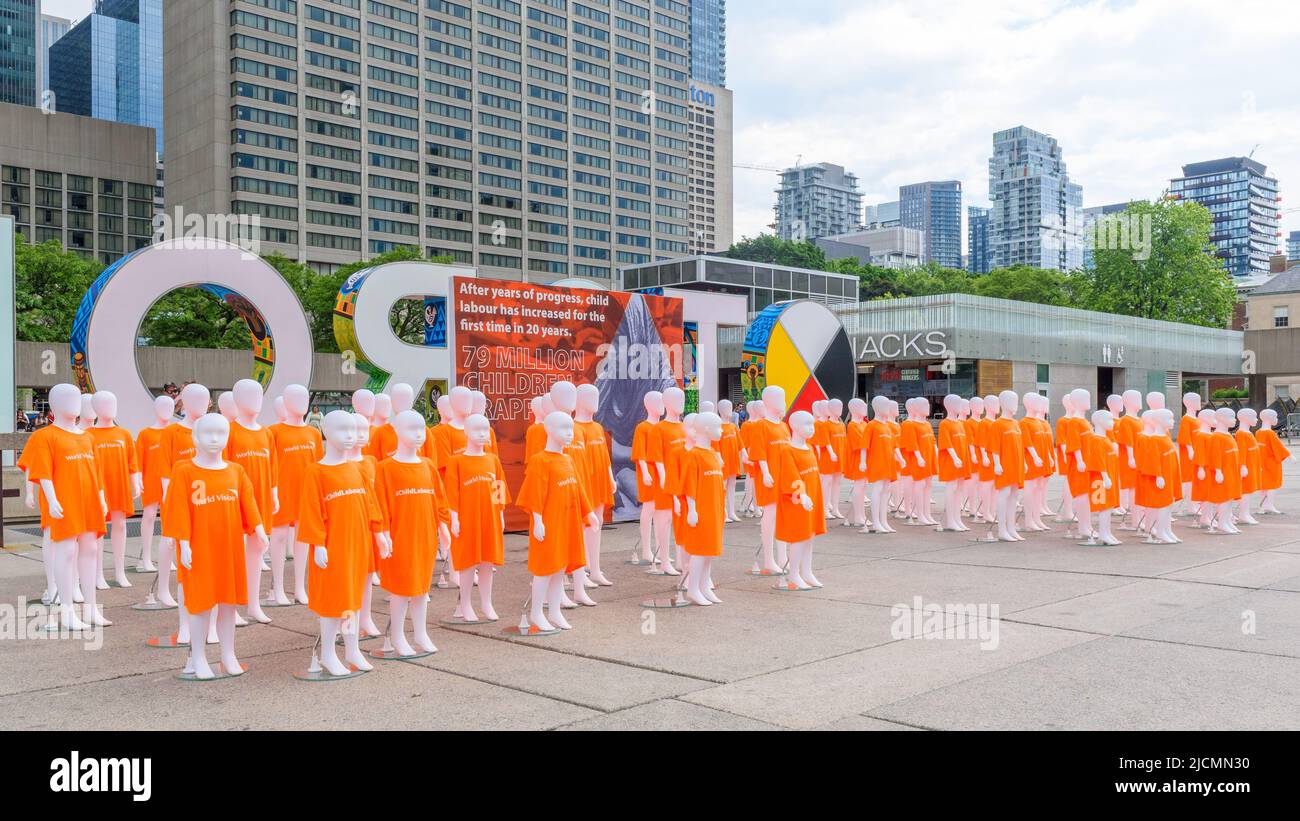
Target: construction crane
[{"x": 757, "y": 167}]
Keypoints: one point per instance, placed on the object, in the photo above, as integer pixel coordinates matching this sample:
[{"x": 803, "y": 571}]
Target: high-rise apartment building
[
  {"x": 709, "y": 42},
  {"x": 19, "y": 51},
  {"x": 979, "y": 259},
  {"x": 883, "y": 215},
  {"x": 1036, "y": 216},
  {"x": 935, "y": 208},
  {"x": 817, "y": 201},
  {"x": 541, "y": 139},
  {"x": 52, "y": 28},
  {"x": 110, "y": 65},
  {"x": 710, "y": 170},
  {"x": 1293, "y": 245},
  {"x": 1242, "y": 200}
]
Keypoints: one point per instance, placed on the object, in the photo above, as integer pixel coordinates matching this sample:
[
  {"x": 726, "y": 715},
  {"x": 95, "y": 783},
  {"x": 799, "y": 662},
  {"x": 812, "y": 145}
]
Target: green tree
[
  {"x": 932, "y": 279},
  {"x": 1024, "y": 284},
  {"x": 193, "y": 318},
  {"x": 49, "y": 283},
  {"x": 1170, "y": 276},
  {"x": 776, "y": 251}
]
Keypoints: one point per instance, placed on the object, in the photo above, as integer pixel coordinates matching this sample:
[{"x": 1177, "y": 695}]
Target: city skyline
[{"x": 903, "y": 92}]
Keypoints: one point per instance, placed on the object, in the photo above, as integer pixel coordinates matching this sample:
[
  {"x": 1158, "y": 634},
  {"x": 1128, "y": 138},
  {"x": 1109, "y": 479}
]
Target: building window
[
  {"x": 1281, "y": 317},
  {"x": 1043, "y": 374}
]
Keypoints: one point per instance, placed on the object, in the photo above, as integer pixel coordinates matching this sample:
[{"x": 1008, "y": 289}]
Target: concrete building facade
[
  {"x": 816, "y": 201},
  {"x": 935, "y": 209},
  {"x": 1243, "y": 204},
  {"x": 711, "y": 194},
  {"x": 979, "y": 258},
  {"x": 535, "y": 140},
  {"x": 886, "y": 247},
  {"x": 87, "y": 184}
]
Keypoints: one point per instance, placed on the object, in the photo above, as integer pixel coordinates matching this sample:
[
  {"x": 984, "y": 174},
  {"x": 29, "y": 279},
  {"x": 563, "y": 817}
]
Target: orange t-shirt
[
  {"x": 68, "y": 461},
  {"x": 704, "y": 480},
  {"x": 212, "y": 509},
  {"x": 448, "y": 441},
  {"x": 23, "y": 465},
  {"x": 1188, "y": 428},
  {"x": 177, "y": 445},
  {"x": 534, "y": 441},
  {"x": 645, "y": 448},
  {"x": 747, "y": 430},
  {"x": 881, "y": 447},
  {"x": 1155, "y": 456},
  {"x": 728, "y": 447},
  {"x": 552, "y": 489},
  {"x": 952, "y": 435},
  {"x": 477, "y": 491},
  {"x": 296, "y": 447},
  {"x": 672, "y": 443},
  {"x": 410, "y": 498},
  {"x": 854, "y": 446},
  {"x": 1127, "y": 430},
  {"x": 1070, "y": 440},
  {"x": 600, "y": 480},
  {"x": 983, "y": 431},
  {"x": 577, "y": 450},
  {"x": 254, "y": 451},
  {"x": 115, "y": 458},
  {"x": 150, "y": 459},
  {"x": 1007, "y": 443},
  {"x": 1248, "y": 450},
  {"x": 383, "y": 444},
  {"x": 1271, "y": 454},
  {"x": 1037, "y": 434},
  {"x": 1202, "y": 460},
  {"x": 1224, "y": 457},
  {"x": 796, "y": 472},
  {"x": 767, "y": 442},
  {"x": 917, "y": 435},
  {"x": 338, "y": 511},
  {"x": 1100, "y": 455}
]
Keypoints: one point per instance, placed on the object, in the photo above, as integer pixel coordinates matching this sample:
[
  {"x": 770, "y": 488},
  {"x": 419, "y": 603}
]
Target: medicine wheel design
[{"x": 802, "y": 347}]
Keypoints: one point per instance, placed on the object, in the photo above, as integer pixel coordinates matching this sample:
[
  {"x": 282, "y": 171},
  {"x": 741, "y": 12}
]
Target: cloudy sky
[{"x": 902, "y": 91}]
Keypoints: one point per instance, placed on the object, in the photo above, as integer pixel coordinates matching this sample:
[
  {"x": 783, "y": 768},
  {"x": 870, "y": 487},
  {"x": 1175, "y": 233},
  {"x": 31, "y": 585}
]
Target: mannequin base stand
[
  {"x": 1268, "y": 513},
  {"x": 338, "y": 642},
  {"x": 219, "y": 674},
  {"x": 791, "y": 587},
  {"x": 165, "y": 642},
  {"x": 528, "y": 631},
  {"x": 389, "y": 653},
  {"x": 638, "y": 562},
  {"x": 271, "y": 602},
  {"x": 985, "y": 539},
  {"x": 136, "y": 570},
  {"x": 321, "y": 674},
  {"x": 151, "y": 603},
  {"x": 455, "y": 621}
]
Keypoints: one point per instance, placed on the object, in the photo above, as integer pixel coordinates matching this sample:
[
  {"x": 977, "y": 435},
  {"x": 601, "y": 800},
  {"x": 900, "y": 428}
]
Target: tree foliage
[
  {"x": 50, "y": 283},
  {"x": 776, "y": 251}
]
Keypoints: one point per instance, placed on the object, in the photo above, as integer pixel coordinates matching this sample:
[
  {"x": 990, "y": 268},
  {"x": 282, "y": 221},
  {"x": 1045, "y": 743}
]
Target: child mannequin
[
  {"x": 855, "y": 462},
  {"x": 1157, "y": 480},
  {"x": 600, "y": 472},
  {"x": 369, "y": 467},
  {"x": 1101, "y": 458},
  {"x": 252, "y": 447},
  {"x": 1248, "y": 449},
  {"x": 119, "y": 474},
  {"x": 645, "y": 454},
  {"x": 477, "y": 496},
  {"x": 703, "y": 485},
  {"x": 149, "y": 459},
  {"x": 769, "y": 438},
  {"x": 560, "y": 509},
  {"x": 882, "y": 463},
  {"x": 414, "y": 506},
  {"x": 799, "y": 518},
  {"x": 211, "y": 512},
  {"x": 672, "y": 441},
  {"x": 953, "y": 467},
  {"x": 728, "y": 447},
  {"x": 753, "y": 415},
  {"x": 297, "y": 445},
  {"x": 1272, "y": 453}
]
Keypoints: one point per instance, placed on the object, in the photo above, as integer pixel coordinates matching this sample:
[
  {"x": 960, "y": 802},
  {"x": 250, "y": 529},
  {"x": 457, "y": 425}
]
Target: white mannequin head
[
  {"x": 478, "y": 403},
  {"x": 1067, "y": 402},
  {"x": 882, "y": 406},
  {"x": 363, "y": 402},
  {"x": 1080, "y": 401},
  {"x": 1192, "y": 402},
  {"x": 1102, "y": 421},
  {"x": 340, "y": 430},
  {"x": 774, "y": 402},
  {"x": 104, "y": 404},
  {"x": 1267, "y": 418},
  {"x": 1115, "y": 404},
  {"x": 802, "y": 427},
  {"x": 1226, "y": 418},
  {"x": 195, "y": 399},
  {"x": 559, "y": 430},
  {"x": 410, "y": 430},
  {"x": 976, "y": 407},
  {"x": 963, "y": 409},
  {"x": 444, "y": 408},
  {"x": 248, "y": 400},
  {"x": 1206, "y": 418},
  {"x": 754, "y": 410},
  {"x": 588, "y": 401},
  {"x": 363, "y": 432},
  {"x": 1149, "y": 421},
  {"x": 297, "y": 401},
  {"x": 1164, "y": 419},
  {"x": 819, "y": 410},
  {"x": 952, "y": 405},
  {"x": 226, "y": 405},
  {"x": 535, "y": 407},
  {"x": 706, "y": 428},
  {"x": 211, "y": 433},
  {"x": 857, "y": 409},
  {"x": 654, "y": 406},
  {"x": 1155, "y": 400},
  {"x": 65, "y": 404},
  {"x": 835, "y": 409},
  {"x": 164, "y": 408},
  {"x": 992, "y": 407},
  {"x": 565, "y": 397},
  {"x": 707, "y": 407},
  {"x": 688, "y": 428},
  {"x": 1009, "y": 402},
  {"x": 462, "y": 404},
  {"x": 1247, "y": 419},
  {"x": 725, "y": 410},
  {"x": 1133, "y": 402},
  {"x": 86, "y": 411},
  {"x": 674, "y": 402},
  {"x": 383, "y": 408},
  {"x": 402, "y": 397},
  {"x": 1030, "y": 401},
  {"x": 478, "y": 433},
  {"x": 281, "y": 412}
]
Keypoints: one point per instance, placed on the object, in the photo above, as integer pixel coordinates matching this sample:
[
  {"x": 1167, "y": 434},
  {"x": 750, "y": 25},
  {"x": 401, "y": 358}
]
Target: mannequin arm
[
  {"x": 385, "y": 544},
  {"x": 830, "y": 450},
  {"x": 645, "y": 472},
  {"x": 593, "y": 521},
  {"x": 275, "y": 500},
  {"x": 539, "y": 528},
  {"x": 321, "y": 556},
  {"x": 1078, "y": 461},
  {"x": 692, "y": 515},
  {"x": 1132, "y": 463},
  {"x": 30, "y": 498},
  {"x": 455, "y": 524},
  {"x": 956, "y": 460},
  {"x": 1105, "y": 480},
  {"x": 1033, "y": 454},
  {"x": 898, "y": 457},
  {"x": 663, "y": 474},
  {"x": 862, "y": 460},
  {"x": 187, "y": 555},
  {"x": 137, "y": 485},
  {"x": 984, "y": 457},
  {"x": 997, "y": 465},
  {"x": 51, "y": 499},
  {"x": 677, "y": 506},
  {"x": 920, "y": 460},
  {"x": 767, "y": 474},
  {"x": 744, "y": 456},
  {"x": 103, "y": 502}
]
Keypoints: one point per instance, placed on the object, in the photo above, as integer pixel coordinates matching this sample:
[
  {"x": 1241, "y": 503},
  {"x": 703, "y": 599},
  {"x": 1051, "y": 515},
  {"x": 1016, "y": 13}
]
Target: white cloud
[
  {"x": 71, "y": 9},
  {"x": 901, "y": 91}
]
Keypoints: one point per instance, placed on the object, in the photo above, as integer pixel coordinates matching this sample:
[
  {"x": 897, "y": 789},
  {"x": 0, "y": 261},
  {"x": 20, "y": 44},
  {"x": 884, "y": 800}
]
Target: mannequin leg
[
  {"x": 1079, "y": 504},
  {"x": 280, "y": 539},
  {"x": 1103, "y": 528},
  {"x": 88, "y": 556},
  {"x": 147, "y": 517},
  {"x": 706, "y": 581},
  {"x": 166, "y": 555},
  {"x": 879, "y": 507},
  {"x": 837, "y": 481},
  {"x": 300, "y": 571},
  {"x": 253, "y": 568},
  {"x": 1225, "y": 518},
  {"x": 444, "y": 550},
  {"x": 366, "y": 622},
  {"x": 397, "y": 607},
  {"x": 464, "y": 604},
  {"x": 952, "y": 506},
  {"x": 329, "y": 656},
  {"x": 117, "y": 540},
  {"x": 48, "y": 560},
  {"x": 226, "y": 636},
  {"x": 593, "y": 553},
  {"x": 795, "y": 566},
  {"x": 580, "y": 594},
  {"x": 541, "y": 592},
  {"x": 1164, "y": 522},
  {"x": 923, "y": 502},
  {"x": 485, "y": 576},
  {"x": 1002, "y": 500},
  {"x": 825, "y": 479},
  {"x": 747, "y": 501},
  {"x": 859, "y": 503},
  {"x": 100, "y": 582},
  {"x": 352, "y": 643},
  {"x": 183, "y": 617},
  {"x": 554, "y": 597},
  {"x": 199, "y": 625},
  {"x": 697, "y": 581},
  {"x": 1067, "y": 507},
  {"x": 730, "y": 496},
  {"x": 647, "y": 533},
  {"x": 663, "y": 546},
  {"x": 420, "y": 622},
  {"x": 1243, "y": 509},
  {"x": 65, "y": 559}
]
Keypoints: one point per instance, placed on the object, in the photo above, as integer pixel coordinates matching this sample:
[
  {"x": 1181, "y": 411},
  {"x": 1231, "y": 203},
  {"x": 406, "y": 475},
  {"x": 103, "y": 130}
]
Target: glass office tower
[
  {"x": 709, "y": 41},
  {"x": 18, "y": 51},
  {"x": 935, "y": 208},
  {"x": 980, "y": 259}
]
